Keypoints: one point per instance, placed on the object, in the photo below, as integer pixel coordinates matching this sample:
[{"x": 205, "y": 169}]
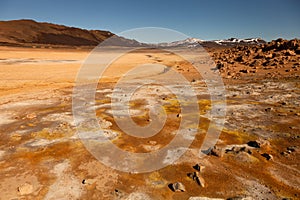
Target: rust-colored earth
[{"x": 256, "y": 157}]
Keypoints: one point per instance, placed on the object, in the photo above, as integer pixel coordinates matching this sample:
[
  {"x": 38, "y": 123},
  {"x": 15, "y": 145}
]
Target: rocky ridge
[{"x": 270, "y": 60}]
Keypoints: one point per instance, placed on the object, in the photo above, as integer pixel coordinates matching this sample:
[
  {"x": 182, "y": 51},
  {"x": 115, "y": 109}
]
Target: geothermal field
[{"x": 50, "y": 110}]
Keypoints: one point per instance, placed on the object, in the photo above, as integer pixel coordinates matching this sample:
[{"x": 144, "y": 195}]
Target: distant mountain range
[
  {"x": 194, "y": 42},
  {"x": 29, "y": 33}
]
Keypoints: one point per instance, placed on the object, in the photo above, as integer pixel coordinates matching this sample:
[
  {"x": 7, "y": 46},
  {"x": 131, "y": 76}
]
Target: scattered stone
[
  {"x": 284, "y": 153},
  {"x": 200, "y": 181},
  {"x": 119, "y": 194},
  {"x": 238, "y": 149},
  {"x": 197, "y": 178},
  {"x": 199, "y": 167},
  {"x": 272, "y": 55},
  {"x": 25, "y": 189},
  {"x": 267, "y": 156},
  {"x": 269, "y": 56},
  {"x": 292, "y": 149},
  {"x": 263, "y": 142},
  {"x": 254, "y": 144},
  {"x": 290, "y": 53},
  {"x": 244, "y": 71},
  {"x": 293, "y": 127},
  {"x": 268, "y": 109},
  {"x": 88, "y": 181},
  {"x": 289, "y": 150},
  {"x": 191, "y": 175},
  {"x": 177, "y": 187},
  {"x": 220, "y": 65},
  {"x": 216, "y": 151}
]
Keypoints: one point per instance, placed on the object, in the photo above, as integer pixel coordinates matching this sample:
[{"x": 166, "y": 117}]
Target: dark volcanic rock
[
  {"x": 273, "y": 55},
  {"x": 267, "y": 156},
  {"x": 199, "y": 167},
  {"x": 177, "y": 187},
  {"x": 254, "y": 144}
]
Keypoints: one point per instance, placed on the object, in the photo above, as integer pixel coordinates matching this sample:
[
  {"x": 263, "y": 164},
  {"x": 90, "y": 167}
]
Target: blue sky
[{"x": 211, "y": 19}]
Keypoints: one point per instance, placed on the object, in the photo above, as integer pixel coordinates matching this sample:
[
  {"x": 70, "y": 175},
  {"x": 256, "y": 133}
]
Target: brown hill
[{"x": 29, "y": 33}]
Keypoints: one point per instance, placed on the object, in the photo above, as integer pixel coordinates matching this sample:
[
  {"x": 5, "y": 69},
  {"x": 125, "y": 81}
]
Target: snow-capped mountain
[
  {"x": 189, "y": 42},
  {"x": 240, "y": 41},
  {"x": 194, "y": 42}
]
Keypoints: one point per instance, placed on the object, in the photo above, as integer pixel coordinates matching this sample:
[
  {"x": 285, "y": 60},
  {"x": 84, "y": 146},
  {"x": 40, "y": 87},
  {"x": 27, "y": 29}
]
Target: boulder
[
  {"x": 289, "y": 53},
  {"x": 177, "y": 187},
  {"x": 260, "y": 142},
  {"x": 88, "y": 181},
  {"x": 197, "y": 178},
  {"x": 216, "y": 151},
  {"x": 267, "y": 156},
  {"x": 200, "y": 181},
  {"x": 199, "y": 167},
  {"x": 254, "y": 144}
]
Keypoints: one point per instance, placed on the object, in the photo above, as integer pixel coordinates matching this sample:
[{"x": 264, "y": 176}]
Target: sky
[{"x": 207, "y": 20}]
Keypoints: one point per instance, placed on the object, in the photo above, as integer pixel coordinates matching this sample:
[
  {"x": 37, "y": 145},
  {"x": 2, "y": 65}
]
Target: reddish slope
[{"x": 29, "y": 32}]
